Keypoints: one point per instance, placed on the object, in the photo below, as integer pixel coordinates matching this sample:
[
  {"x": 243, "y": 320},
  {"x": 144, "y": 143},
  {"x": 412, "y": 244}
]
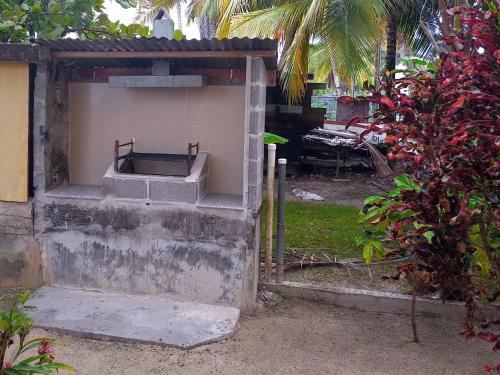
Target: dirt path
[
  {"x": 298, "y": 337},
  {"x": 348, "y": 193}
]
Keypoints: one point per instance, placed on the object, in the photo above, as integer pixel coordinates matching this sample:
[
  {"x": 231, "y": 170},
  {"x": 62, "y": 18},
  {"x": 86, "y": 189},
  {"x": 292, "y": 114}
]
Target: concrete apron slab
[{"x": 132, "y": 318}]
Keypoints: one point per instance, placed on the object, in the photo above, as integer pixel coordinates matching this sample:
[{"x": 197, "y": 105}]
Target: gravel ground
[{"x": 297, "y": 337}]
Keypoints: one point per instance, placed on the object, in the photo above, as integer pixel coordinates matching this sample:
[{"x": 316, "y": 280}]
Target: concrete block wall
[
  {"x": 256, "y": 85},
  {"x": 190, "y": 189},
  {"x": 20, "y": 260},
  {"x": 182, "y": 251}
]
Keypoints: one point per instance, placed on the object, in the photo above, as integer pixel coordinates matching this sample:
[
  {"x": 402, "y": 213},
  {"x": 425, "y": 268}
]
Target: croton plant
[{"x": 443, "y": 127}]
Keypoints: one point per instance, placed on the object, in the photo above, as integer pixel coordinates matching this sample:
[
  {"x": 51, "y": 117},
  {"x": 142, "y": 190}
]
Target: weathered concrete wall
[
  {"x": 163, "y": 120},
  {"x": 187, "y": 253},
  {"x": 50, "y": 129},
  {"x": 20, "y": 261}
]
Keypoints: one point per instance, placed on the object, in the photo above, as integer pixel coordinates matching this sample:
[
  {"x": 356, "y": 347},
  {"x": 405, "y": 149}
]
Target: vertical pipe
[
  {"x": 280, "y": 247},
  {"x": 117, "y": 147},
  {"x": 271, "y": 159}
]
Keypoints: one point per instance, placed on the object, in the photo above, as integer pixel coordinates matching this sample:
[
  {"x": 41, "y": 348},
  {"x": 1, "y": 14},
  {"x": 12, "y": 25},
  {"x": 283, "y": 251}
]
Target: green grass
[{"x": 318, "y": 227}]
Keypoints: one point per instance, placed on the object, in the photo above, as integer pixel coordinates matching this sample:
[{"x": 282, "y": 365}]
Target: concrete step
[{"x": 133, "y": 318}]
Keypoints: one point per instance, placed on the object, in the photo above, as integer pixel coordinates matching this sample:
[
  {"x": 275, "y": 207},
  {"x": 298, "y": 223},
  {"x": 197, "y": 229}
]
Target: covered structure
[{"x": 147, "y": 162}]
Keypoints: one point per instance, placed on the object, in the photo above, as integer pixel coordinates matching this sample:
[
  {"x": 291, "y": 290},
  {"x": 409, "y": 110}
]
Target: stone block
[
  {"x": 254, "y": 196},
  {"x": 202, "y": 186},
  {"x": 172, "y": 191},
  {"x": 256, "y": 146},
  {"x": 157, "y": 81},
  {"x": 257, "y": 120},
  {"x": 255, "y": 171},
  {"x": 258, "y": 95},
  {"x": 258, "y": 70},
  {"x": 125, "y": 187}
]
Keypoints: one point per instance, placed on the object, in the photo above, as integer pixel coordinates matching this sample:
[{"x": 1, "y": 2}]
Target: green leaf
[
  {"x": 274, "y": 138},
  {"x": 429, "y": 235},
  {"x": 368, "y": 252},
  {"x": 360, "y": 240},
  {"x": 372, "y": 214},
  {"x": 125, "y": 4},
  {"x": 178, "y": 35},
  {"x": 25, "y": 297},
  {"x": 373, "y": 199},
  {"x": 405, "y": 183},
  {"x": 481, "y": 260}
]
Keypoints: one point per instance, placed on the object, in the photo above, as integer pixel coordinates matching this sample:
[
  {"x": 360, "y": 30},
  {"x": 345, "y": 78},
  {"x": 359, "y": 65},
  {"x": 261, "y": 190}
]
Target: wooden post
[{"x": 271, "y": 160}]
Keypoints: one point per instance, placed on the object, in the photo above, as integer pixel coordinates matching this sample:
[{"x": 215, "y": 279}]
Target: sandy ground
[{"x": 297, "y": 337}]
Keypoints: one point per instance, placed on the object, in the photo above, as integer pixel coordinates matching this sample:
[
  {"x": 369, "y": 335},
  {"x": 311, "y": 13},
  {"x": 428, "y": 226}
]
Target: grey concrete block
[
  {"x": 171, "y": 191},
  {"x": 258, "y": 70},
  {"x": 16, "y": 218},
  {"x": 258, "y": 95},
  {"x": 254, "y": 196},
  {"x": 157, "y": 81},
  {"x": 256, "y": 146},
  {"x": 255, "y": 171},
  {"x": 121, "y": 317},
  {"x": 202, "y": 186},
  {"x": 257, "y": 120},
  {"x": 20, "y": 261},
  {"x": 125, "y": 187}
]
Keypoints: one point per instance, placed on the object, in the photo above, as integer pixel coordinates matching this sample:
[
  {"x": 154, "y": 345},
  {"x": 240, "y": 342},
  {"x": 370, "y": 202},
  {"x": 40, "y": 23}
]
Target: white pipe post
[{"x": 271, "y": 161}]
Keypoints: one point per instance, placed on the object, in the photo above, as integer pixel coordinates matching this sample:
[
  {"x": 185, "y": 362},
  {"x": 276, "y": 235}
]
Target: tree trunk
[
  {"x": 378, "y": 52},
  {"x": 445, "y": 18},
  {"x": 179, "y": 15},
  {"x": 208, "y": 27},
  {"x": 392, "y": 34}
]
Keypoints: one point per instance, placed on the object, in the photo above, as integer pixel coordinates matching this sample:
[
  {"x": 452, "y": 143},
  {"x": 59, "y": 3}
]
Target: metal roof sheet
[{"x": 160, "y": 44}]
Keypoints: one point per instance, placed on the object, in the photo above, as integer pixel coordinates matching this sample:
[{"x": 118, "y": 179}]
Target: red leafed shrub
[{"x": 444, "y": 127}]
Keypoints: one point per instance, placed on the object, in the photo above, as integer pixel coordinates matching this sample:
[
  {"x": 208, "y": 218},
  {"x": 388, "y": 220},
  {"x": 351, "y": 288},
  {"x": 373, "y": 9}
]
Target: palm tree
[{"x": 345, "y": 33}]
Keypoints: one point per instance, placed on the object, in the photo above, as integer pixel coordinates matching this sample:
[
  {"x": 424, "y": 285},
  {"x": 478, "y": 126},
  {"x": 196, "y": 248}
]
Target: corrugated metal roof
[{"x": 160, "y": 44}]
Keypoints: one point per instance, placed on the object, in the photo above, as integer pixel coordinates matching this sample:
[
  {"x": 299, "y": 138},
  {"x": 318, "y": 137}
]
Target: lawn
[{"x": 318, "y": 227}]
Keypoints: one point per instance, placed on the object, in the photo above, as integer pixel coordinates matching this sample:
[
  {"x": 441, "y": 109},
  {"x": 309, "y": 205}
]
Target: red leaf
[
  {"x": 347, "y": 100},
  {"x": 488, "y": 336},
  {"x": 388, "y": 102},
  {"x": 458, "y": 139}
]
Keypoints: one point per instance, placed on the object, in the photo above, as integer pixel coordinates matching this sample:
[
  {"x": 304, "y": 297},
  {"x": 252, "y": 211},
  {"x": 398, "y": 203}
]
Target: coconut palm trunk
[{"x": 391, "y": 34}]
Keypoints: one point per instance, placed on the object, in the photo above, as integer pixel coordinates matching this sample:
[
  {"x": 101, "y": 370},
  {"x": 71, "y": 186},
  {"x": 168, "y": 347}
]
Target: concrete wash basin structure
[
  {"x": 157, "y": 188},
  {"x": 97, "y": 235}
]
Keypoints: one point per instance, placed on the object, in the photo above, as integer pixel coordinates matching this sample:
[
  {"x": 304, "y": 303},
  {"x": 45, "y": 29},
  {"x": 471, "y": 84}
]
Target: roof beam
[{"x": 159, "y": 54}]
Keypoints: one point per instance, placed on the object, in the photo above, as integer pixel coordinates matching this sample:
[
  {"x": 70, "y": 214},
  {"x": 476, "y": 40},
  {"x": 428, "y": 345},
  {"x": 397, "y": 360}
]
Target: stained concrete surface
[
  {"x": 296, "y": 338},
  {"x": 120, "y": 317}
]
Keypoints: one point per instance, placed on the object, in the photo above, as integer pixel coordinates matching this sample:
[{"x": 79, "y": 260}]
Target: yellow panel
[{"x": 14, "y": 97}]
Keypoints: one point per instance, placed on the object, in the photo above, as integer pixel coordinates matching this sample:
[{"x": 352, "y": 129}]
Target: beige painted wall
[
  {"x": 162, "y": 120},
  {"x": 14, "y": 98}
]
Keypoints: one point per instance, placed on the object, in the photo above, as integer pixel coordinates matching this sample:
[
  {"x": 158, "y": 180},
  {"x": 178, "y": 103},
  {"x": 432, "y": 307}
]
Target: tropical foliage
[
  {"x": 444, "y": 127},
  {"x": 15, "y": 326},
  {"x": 23, "y": 20},
  {"x": 335, "y": 39}
]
